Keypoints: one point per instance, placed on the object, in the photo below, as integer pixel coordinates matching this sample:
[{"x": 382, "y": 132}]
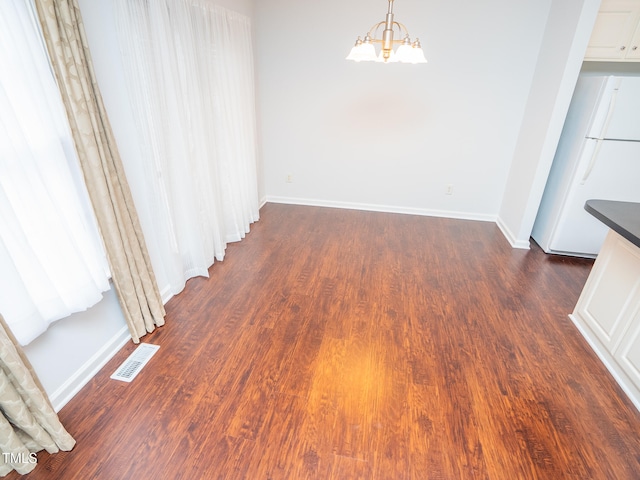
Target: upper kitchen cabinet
[
  {"x": 616, "y": 34},
  {"x": 633, "y": 55}
]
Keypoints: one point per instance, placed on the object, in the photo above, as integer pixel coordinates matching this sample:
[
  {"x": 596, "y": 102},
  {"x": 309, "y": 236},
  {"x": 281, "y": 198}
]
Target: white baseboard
[
  {"x": 382, "y": 208},
  {"x": 623, "y": 380},
  {"x": 166, "y": 294},
  {"x": 86, "y": 372},
  {"x": 511, "y": 238}
]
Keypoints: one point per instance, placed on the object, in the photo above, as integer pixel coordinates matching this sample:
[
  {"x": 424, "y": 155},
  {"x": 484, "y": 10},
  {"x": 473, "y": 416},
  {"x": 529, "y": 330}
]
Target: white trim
[
  {"x": 166, "y": 294},
  {"x": 86, "y": 372},
  {"x": 511, "y": 238},
  {"x": 622, "y": 379},
  {"x": 382, "y": 208}
]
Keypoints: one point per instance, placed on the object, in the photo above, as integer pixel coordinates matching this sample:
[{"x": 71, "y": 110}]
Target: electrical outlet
[
  {"x": 289, "y": 178},
  {"x": 449, "y": 189}
]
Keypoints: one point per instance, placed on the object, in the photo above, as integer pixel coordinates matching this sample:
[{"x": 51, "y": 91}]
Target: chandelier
[{"x": 407, "y": 52}]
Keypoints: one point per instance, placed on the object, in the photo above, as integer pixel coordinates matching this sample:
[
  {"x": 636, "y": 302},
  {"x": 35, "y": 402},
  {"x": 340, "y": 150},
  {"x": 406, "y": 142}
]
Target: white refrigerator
[{"x": 598, "y": 157}]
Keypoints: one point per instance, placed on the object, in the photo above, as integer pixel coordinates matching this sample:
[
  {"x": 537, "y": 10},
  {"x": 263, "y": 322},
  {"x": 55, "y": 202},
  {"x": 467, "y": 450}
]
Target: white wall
[
  {"x": 391, "y": 137},
  {"x": 558, "y": 64},
  {"x": 73, "y": 349}
]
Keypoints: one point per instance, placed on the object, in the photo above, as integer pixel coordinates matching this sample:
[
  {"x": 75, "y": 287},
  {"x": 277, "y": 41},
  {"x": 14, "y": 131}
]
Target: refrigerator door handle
[
  {"x": 592, "y": 161},
  {"x": 610, "y": 110},
  {"x": 603, "y": 132}
]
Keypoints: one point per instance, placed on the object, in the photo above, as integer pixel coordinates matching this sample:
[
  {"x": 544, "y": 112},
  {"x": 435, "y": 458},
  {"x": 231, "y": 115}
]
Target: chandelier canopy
[{"x": 408, "y": 51}]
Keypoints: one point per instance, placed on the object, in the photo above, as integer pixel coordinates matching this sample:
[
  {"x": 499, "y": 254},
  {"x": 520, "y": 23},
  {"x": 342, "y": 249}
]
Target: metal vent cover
[{"x": 128, "y": 370}]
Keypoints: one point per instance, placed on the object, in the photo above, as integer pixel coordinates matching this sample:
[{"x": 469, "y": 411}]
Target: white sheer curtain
[
  {"x": 52, "y": 261},
  {"x": 189, "y": 70}
]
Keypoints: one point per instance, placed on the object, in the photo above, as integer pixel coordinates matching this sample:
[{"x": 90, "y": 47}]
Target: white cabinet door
[
  {"x": 634, "y": 50},
  {"x": 606, "y": 305},
  {"x": 628, "y": 353},
  {"x": 614, "y": 30},
  {"x": 608, "y": 312}
]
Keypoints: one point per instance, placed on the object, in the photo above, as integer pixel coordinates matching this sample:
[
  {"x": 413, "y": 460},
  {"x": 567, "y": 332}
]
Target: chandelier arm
[
  {"x": 402, "y": 27},
  {"x": 379, "y": 40},
  {"x": 374, "y": 29}
]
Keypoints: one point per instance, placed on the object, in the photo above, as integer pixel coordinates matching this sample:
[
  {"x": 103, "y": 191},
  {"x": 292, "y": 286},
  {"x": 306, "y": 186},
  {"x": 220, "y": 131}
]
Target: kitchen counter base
[{"x": 608, "y": 312}]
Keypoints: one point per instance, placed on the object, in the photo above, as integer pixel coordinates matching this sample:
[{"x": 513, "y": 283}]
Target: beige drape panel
[
  {"x": 131, "y": 269},
  {"x": 28, "y": 422}
]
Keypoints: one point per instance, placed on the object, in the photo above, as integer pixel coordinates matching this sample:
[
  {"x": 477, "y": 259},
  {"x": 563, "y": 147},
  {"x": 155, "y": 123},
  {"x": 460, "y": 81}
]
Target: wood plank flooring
[{"x": 338, "y": 344}]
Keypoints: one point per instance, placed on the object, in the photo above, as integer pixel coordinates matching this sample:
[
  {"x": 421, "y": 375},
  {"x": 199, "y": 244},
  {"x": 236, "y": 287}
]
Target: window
[{"x": 52, "y": 262}]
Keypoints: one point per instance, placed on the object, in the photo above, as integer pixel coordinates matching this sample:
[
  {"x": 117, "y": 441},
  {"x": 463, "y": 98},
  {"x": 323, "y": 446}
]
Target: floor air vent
[{"x": 132, "y": 365}]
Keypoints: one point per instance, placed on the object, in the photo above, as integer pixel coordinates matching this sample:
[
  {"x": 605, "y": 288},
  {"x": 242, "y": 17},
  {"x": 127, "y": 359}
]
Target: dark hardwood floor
[{"x": 358, "y": 345}]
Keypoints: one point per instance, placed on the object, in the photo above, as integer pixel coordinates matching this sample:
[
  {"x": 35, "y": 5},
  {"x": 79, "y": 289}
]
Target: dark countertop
[{"x": 621, "y": 217}]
